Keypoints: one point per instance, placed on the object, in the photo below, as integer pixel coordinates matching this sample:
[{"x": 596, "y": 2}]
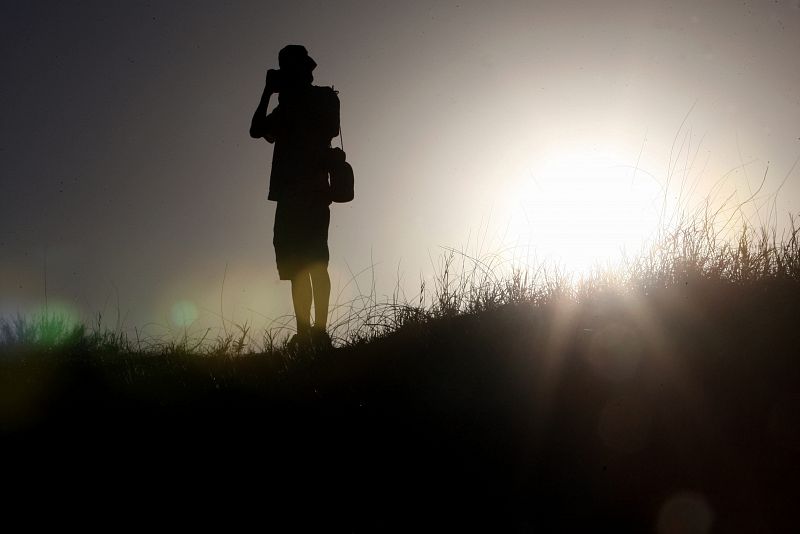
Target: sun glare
[{"x": 583, "y": 209}]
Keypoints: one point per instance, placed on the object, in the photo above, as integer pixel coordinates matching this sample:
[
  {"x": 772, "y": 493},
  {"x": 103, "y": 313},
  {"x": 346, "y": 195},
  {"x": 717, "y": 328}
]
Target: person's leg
[
  {"x": 301, "y": 298},
  {"x": 321, "y": 281}
]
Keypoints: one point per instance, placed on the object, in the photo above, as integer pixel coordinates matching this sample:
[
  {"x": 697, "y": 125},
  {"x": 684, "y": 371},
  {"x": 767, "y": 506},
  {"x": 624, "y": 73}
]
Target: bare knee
[{"x": 318, "y": 272}]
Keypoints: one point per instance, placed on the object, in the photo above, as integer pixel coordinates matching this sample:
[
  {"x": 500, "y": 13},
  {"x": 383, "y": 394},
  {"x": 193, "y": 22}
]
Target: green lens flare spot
[
  {"x": 184, "y": 313},
  {"x": 60, "y": 310}
]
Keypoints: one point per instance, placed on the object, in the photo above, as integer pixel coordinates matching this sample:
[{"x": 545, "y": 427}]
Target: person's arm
[
  {"x": 264, "y": 125},
  {"x": 258, "y": 124}
]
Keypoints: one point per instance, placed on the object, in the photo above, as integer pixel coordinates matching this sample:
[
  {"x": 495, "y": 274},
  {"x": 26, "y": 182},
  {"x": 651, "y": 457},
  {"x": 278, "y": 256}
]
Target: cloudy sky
[{"x": 547, "y": 130}]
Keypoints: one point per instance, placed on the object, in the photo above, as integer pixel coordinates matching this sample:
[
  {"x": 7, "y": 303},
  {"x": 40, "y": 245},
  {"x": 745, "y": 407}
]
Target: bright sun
[{"x": 581, "y": 209}]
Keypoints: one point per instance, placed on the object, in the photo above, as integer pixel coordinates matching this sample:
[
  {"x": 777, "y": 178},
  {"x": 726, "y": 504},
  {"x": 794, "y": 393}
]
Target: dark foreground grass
[{"x": 659, "y": 398}]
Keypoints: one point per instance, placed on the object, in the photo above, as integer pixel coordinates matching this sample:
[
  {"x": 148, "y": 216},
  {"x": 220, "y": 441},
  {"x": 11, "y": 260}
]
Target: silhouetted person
[{"x": 301, "y": 126}]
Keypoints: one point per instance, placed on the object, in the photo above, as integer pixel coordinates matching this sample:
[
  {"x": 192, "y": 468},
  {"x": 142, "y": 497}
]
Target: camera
[{"x": 275, "y": 80}]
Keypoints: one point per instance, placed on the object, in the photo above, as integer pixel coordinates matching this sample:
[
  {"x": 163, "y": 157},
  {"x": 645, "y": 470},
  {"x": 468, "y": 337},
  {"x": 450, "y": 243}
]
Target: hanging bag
[{"x": 340, "y": 172}]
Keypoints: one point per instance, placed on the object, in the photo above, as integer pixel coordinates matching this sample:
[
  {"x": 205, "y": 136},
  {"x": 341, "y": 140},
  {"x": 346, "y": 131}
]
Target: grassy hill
[{"x": 661, "y": 399}]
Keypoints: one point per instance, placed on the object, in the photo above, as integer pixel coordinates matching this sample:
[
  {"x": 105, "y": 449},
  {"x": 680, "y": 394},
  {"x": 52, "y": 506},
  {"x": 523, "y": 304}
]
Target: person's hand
[{"x": 272, "y": 81}]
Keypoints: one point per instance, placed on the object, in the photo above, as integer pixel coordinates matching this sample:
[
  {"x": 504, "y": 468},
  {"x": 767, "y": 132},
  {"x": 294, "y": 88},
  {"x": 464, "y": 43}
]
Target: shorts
[{"x": 300, "y": 236}]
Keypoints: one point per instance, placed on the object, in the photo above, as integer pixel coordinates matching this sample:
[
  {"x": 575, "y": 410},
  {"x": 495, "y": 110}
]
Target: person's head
[{"x": 296, "y": 65}]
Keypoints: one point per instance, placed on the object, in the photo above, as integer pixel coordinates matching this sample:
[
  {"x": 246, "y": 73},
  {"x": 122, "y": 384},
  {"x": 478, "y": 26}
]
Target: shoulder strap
[{"x": 341, "y": 137}]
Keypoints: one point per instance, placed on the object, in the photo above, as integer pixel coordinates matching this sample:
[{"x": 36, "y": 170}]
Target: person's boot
[
  {"x": 320, "y": 339},
  {"x": 302, "y": 340}
]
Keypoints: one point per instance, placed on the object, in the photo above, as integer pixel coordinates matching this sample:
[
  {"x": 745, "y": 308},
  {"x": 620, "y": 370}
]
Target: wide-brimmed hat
[{"x": 295, "y": 57}]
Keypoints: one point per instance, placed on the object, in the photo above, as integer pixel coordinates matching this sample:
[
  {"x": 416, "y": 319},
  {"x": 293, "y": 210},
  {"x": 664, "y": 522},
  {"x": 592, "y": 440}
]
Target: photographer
[{"x": 301, "y": 126}]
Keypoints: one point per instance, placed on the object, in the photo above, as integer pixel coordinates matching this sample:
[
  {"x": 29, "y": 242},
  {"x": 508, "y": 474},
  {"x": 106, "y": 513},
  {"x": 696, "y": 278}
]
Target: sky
[{"x": 537, "y": 131}]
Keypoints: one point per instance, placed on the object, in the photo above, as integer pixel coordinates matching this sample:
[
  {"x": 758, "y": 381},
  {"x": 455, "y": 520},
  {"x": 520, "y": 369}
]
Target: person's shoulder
[
  {"x": 326, "y": 92},
  {"x": 322, "y": 89}
]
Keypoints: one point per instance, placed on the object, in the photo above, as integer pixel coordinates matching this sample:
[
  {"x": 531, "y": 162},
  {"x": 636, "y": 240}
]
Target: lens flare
[
  {"x": 184, "y": 313},
  {"x": 686, "y": 512},
  {"x": 63, "y": 310},
  {"x": 614, "y": 352}
]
